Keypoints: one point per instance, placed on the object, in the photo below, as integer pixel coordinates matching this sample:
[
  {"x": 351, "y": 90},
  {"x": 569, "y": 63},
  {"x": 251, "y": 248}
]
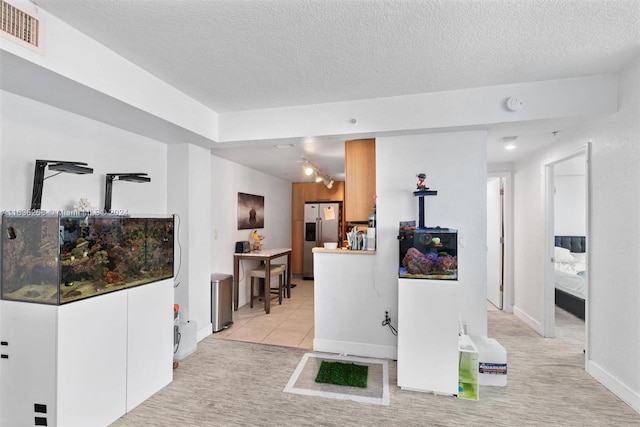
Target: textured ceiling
[
  {"x": 235, "y": 55},
  {"x": 241, "y": 55}
]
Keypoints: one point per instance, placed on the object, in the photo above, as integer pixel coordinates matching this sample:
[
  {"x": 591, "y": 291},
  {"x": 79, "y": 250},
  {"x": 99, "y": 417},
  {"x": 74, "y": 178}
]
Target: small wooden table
[{"x": 266, "y": 255}]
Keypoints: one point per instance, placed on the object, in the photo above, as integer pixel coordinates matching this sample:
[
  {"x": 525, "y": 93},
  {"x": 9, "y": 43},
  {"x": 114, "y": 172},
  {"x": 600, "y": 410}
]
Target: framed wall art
[{"x": 250, "y": 211}]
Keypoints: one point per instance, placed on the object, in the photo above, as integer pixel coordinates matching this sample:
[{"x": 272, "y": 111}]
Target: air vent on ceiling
[{"x": 18, "y": 24}]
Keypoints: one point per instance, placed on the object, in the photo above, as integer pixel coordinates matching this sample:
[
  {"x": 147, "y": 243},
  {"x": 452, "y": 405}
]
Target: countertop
[{"x": 341, "y": 251}]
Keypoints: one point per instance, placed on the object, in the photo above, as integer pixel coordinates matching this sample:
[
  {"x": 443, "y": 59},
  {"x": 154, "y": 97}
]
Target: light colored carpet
[{"x": 231, "y": 383}]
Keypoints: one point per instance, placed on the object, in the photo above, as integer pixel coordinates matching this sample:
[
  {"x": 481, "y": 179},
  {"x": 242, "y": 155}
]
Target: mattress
[{"x": 569, "y": 277}]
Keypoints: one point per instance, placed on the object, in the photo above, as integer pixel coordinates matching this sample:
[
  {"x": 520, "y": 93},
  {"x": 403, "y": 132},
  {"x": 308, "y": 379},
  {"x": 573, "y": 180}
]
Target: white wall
[
  {"x": 189, "y": 189},
  {"x": 456, "y": 166},
  {"x": 32, "y": 130},
  {"x": 569, "y": 205},
  {"x": 614, "y": 231},
  {"x": 227, "y": 180}
]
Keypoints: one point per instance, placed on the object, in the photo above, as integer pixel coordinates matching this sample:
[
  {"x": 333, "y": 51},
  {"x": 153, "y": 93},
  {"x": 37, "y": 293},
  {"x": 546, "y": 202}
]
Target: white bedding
[{"x": 569, "y": 275}]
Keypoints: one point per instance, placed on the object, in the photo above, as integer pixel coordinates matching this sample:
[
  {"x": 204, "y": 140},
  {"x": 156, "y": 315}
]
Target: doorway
[
  {"x": 499, "y": 242},
  {"x": 495, "y": 239},
  {"x": 566, "y": 248}
]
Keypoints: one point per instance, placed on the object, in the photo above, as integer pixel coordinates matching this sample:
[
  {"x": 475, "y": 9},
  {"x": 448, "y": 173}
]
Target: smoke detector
[{"x": 514, "y": 103}]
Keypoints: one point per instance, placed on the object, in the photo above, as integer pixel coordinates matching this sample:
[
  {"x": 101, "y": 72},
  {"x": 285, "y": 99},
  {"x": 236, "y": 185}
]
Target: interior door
[{"x": 494, "y": 241}]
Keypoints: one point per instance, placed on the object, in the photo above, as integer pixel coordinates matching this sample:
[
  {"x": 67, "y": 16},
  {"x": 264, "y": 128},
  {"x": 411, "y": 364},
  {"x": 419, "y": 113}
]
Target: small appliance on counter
[{"x": 243, "y": 247}]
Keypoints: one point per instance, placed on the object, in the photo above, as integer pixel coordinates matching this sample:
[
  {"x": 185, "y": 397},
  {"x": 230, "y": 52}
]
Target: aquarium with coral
[
  {"x": 428, "y": 253},
  {"x": 57, "y": 259}
]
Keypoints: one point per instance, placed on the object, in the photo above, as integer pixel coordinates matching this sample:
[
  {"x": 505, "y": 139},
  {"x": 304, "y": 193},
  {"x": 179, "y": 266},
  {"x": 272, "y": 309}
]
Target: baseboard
[
  {"x": 204, "y": 332},
  {"x": 614, "y": 385},
  {"x": 530, "y": 321},
  {"x": 355, "y": 349}
]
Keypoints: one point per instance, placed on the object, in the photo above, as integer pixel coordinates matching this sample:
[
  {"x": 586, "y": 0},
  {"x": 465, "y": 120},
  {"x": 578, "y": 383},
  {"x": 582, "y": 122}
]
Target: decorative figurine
[
  {"x": 421, "y": 177},
  {"x": 257, "y": 240}
]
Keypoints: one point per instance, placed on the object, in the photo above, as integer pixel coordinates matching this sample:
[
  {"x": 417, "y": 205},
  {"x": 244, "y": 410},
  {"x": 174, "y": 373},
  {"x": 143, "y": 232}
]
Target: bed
[{"x": 570, "y": 267}]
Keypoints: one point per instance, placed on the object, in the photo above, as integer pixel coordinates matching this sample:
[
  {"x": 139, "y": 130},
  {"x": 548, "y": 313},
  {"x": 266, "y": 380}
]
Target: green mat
[{"x": 342, "y": 374}]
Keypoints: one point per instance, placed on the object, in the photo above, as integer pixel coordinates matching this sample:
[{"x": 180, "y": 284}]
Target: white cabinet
[
  {"x": 428, "y": 335},
  {"x": 88, "y": 362}
]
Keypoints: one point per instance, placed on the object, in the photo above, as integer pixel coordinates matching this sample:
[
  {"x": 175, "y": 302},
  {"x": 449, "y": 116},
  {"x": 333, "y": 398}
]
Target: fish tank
[
  {"x": 428, "y": 253},
  {"x": 57, "y": 259}
]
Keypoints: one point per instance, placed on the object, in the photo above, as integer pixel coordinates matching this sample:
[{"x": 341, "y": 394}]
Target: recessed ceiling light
[
  {"x": 510, "y": 147},
  {"x": 284, "y": 145}
]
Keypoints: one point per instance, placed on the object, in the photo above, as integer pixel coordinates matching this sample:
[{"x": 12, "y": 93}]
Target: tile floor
[{"x": 289, "y": 324}]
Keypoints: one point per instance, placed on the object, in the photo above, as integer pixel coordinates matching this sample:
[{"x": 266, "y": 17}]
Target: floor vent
[{"x": 19, "y": 25}]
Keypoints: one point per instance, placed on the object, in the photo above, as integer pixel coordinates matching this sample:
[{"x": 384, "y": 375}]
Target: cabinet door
[
  {"x": 28, "y": 368},
  {"x": 428, "y": 335},
  {"x": 149, "y": 340},
  {"x": 297, "y": 246},
  {"x": 360, "y": 179},
  {"x": 297, "y": 201},
  {"x": 92, "y": 360}
]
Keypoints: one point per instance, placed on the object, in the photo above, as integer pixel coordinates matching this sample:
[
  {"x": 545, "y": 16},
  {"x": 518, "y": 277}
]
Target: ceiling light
[
  {"x": 284, "y": 146},
  {"x": 321, "y": 176},
  {"x": 510, "y": 147},
  {"x": 328, "y": 182}
]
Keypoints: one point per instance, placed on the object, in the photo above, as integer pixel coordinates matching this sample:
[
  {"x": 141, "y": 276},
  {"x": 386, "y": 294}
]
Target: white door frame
[
  {"x": 548, "y": 318},
  {"x": 507, "y": 295}
]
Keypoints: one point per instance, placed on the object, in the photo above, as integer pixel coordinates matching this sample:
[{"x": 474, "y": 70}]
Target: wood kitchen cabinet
[
  {"x": 302, "y": 192},
  {"x": 360, "y": 179}
]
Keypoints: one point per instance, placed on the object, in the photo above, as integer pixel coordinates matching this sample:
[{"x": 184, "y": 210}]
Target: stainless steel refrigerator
[{"x": 322, "y": 224}]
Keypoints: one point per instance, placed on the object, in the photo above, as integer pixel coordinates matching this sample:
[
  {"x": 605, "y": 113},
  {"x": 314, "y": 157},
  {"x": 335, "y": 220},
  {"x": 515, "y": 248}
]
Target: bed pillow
[{"x": 563, "y": 255}]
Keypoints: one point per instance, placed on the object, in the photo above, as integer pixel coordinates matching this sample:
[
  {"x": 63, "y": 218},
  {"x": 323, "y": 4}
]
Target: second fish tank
[
  {"x": 58, "y": 259},
  {"x": 428, "y": 253}
]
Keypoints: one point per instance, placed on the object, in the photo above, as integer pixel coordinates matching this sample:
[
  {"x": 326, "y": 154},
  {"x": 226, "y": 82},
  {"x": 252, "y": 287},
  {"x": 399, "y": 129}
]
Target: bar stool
[
  {"x": 286, "y": 290},
  {"x": 259, "y": 273}
]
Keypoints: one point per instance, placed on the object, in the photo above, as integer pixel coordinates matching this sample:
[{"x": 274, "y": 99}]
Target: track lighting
[{"x": 321, "y": 176}]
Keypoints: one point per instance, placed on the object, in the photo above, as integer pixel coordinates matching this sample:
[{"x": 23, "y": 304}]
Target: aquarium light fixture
[
  {"x": 130, "y": 177},
  {"x": 321, "y": 176},
  {"x": 60, "y": 166}
]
